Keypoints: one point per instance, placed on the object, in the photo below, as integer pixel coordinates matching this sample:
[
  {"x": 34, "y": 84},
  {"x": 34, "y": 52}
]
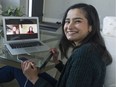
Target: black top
[{"x": 84, "y": 68}]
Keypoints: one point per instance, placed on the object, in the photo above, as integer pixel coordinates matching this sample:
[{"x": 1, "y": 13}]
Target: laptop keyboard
[{"x": 25, "y": 44}]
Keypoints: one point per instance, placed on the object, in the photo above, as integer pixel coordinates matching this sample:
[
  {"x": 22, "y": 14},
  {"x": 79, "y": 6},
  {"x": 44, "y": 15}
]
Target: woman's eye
[
  {"x": 67, "y": 21},
  {"x": 78, "y": 21}
]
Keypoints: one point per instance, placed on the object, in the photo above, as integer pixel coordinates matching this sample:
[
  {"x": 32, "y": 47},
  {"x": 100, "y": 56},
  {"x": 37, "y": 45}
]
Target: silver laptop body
[{"x": 18, "y": 40}]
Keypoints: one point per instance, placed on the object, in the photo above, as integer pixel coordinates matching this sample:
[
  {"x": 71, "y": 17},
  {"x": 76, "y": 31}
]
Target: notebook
[{"x": 22, "y": 35}]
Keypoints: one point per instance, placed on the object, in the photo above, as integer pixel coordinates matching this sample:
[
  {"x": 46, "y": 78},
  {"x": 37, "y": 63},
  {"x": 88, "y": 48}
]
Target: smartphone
[
  {"x": 22, "y": 59},
  {"x": 46, "y": 61}
]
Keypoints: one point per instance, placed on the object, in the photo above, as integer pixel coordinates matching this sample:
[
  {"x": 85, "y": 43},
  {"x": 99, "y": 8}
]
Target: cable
[
  {"x": 25, "y": 82},
  {"x": 17, "y": 57},
  {"x": 28, "y": 53}
]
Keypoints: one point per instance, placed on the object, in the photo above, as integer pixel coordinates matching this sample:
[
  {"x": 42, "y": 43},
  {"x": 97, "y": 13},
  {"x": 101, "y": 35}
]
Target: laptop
[{"x": 22, "y": 35}]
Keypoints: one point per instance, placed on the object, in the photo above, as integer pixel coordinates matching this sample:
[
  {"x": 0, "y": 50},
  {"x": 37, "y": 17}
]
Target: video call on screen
[{"x": 19, "y": 29}]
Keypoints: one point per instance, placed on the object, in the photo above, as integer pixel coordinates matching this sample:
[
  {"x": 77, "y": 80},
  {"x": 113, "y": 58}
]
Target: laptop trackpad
[{"x": 31, "y": 49}]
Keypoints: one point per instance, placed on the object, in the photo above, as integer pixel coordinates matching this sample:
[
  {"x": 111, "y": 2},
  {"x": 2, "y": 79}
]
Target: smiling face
[{"x": 76, "y": 26}]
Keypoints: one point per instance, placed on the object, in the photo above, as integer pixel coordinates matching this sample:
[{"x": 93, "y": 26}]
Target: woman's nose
[{"x": 70, "y": 25}]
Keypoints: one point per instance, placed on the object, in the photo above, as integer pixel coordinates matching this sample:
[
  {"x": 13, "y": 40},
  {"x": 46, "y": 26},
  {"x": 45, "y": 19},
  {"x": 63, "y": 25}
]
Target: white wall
[
  {"x": 9, "y": 3},
  {"x": 104, "y": 7},
  {"x": 24, "y": 7},
  {"x": 54, "y": 9}
]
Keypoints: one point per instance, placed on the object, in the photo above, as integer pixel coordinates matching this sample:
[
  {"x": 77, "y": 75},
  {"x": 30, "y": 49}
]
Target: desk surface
[
  {"x": 38, "y": 57},
  {"x": 49, "y": 67}
]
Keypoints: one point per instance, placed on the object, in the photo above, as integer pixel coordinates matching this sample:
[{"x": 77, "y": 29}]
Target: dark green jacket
[{"x": 84, "y": 68}]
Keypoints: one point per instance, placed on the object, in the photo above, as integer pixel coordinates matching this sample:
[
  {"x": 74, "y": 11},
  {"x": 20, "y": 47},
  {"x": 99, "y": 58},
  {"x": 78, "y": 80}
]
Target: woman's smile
[{"x": 71, "y": 32}]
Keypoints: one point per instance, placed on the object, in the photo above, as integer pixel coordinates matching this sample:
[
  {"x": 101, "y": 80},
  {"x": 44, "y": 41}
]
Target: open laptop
[{"x": 17, "y": 37}]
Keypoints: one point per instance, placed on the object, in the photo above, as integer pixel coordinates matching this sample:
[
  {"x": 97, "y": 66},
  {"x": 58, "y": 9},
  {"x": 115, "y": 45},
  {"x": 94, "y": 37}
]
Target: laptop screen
[{"x": 21, "y": 28}]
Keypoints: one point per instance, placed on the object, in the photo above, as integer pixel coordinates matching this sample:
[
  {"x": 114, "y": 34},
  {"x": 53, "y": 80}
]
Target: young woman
[
  {"x": 86, "y": 67},
  {"x": 15, "y": 30},
  {"x": 30, "y": 30}
]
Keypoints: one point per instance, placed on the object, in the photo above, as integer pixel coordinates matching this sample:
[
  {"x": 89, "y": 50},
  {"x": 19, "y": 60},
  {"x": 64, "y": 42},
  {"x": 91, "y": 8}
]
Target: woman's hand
[
  {"x": 55, "y": 55},
  {"x": 30, "y": 71}
]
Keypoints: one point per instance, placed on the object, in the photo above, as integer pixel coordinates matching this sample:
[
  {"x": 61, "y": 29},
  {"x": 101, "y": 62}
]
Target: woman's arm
[
  {"x": 42, "y": 83},
  {"x": 86, "y": 68},
  {"x": 35, "y": 76},
  {"x": 58, "y": 64},
  {"x": 30, "y": 71}
]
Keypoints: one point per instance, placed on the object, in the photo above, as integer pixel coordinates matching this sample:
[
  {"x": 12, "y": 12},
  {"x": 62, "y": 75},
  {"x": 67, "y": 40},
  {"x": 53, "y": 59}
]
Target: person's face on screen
[
  {"x": 30, "y": 28},
  {"x": 14, "y": 28}
]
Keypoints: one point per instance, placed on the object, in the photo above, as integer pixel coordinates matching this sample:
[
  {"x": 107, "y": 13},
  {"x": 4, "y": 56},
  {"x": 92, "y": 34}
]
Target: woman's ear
[{"x": 90, "y": 28}]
